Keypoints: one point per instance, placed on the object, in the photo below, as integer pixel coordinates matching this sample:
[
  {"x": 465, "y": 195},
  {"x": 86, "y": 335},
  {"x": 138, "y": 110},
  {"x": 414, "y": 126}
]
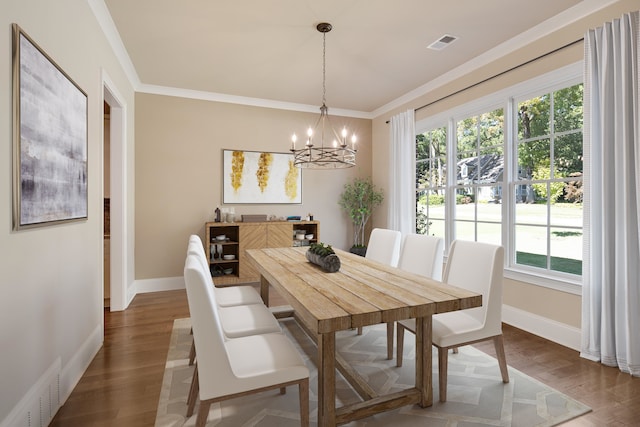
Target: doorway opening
[
  {"x": 106, "y": 192},
  {"x": 115, "y": 172}
]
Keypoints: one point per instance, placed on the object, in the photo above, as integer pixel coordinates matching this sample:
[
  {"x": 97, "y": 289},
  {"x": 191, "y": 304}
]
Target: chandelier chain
[{"x": 324, "y": 67}]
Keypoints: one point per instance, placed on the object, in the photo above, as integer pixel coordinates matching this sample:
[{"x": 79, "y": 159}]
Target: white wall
[{"x": 51, "y": 277}]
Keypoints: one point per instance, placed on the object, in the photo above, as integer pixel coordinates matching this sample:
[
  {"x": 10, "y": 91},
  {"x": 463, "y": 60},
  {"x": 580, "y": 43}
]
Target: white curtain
[
  {"x": 401, "y": 197},
  {"x": 611, "y": 269}
]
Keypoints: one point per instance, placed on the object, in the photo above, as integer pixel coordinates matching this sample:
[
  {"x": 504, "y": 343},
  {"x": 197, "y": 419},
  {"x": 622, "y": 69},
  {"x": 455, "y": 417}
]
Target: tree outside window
[
  {"x": 479, "y": 177},
  {"x": 548, "y": 182},
  {"x": 431, "y": 162}
]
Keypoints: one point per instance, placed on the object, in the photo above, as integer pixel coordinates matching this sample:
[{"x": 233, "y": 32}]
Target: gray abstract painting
[{"x": 52, "y": 141}]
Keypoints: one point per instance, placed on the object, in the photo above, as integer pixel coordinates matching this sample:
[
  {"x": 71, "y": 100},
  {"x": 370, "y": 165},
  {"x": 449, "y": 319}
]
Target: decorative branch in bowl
[{"x": 323, "y": 256}]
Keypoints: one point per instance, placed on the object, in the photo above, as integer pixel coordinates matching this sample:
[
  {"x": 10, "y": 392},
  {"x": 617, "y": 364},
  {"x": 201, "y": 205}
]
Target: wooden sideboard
[{"x": 240, "y": 236}]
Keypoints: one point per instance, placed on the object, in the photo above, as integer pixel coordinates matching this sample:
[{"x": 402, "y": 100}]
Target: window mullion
[
  {"x": 450, "y": 198},
  {"x": 508, "y": 181}
]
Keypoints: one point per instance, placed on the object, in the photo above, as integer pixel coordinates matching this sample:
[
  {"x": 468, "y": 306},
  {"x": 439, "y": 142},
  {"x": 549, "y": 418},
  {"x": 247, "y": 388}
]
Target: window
[
  {"x": 547, "y": 187},
  {"x": 479, "y": 175},
  {"x": 431, "y": 162},
  {"x": 517, "y": 179}
]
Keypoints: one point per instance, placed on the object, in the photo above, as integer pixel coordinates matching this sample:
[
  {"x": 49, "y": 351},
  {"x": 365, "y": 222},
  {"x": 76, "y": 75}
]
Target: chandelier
[{"x": 324, "y": 148}]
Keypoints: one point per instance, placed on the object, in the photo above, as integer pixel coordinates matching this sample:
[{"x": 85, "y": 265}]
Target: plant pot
[
  {"x": 329, "y": 263},
  {"x": 358, "y": 250}
]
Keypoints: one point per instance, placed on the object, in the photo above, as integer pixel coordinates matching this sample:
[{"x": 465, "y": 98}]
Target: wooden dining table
[{"x": 363, "y": 292}]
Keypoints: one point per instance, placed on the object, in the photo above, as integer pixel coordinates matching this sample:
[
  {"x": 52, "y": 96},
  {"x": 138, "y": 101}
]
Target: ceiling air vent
[{"x": 442, "y": 42}]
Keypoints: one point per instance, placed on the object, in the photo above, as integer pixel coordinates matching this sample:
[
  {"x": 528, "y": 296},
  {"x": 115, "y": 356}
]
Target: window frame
[
  {"x": 513, "y": 181},
  {"x": 506, "y": 99},
  {"x": 453, "y": 185}
]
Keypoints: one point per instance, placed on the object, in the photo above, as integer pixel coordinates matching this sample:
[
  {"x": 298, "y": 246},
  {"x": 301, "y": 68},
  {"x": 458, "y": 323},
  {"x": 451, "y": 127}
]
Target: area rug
[{"x": 476, "y": 394}]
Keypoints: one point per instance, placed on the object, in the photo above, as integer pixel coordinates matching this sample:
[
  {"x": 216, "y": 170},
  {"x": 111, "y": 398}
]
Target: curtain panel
[
  {"x": 611, "y": 267},
  {"x": 402, "y": 154}
]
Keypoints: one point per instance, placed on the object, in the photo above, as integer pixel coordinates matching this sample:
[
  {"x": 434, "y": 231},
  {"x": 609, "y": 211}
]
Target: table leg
[
  {"x": 264, "y": 290},
  {"x": 424, "y": 361},
  {"x": 390, "y": 327},
  {"x": 326, "y": 379}
]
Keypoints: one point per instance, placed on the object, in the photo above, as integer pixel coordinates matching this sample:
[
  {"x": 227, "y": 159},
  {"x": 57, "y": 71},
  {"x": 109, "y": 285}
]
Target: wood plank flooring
[{"x": 121, "y": 387}]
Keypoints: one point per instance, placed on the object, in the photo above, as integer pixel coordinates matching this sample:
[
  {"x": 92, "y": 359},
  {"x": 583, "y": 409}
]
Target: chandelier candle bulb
[{"x": 294, "y": 138}]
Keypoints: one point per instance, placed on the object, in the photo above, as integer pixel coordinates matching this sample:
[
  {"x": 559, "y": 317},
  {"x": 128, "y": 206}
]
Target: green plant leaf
[{"x": 358, "y": 200}]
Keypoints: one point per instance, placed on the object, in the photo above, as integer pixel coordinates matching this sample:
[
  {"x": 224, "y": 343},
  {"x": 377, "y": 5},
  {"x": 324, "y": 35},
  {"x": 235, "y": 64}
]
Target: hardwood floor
[{"x": 121, "y": 387}]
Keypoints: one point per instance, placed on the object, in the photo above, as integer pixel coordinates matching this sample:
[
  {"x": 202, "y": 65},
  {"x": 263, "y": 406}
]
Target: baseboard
[
  {"x": 38, "y": 406},
  {"x": 131, "y": 294},
  {"x": 42, "y": 401},
  {"x": 73, "y": 371},
  {"x": 159, "y": 284},
  {"x": 561, "y": 333}
]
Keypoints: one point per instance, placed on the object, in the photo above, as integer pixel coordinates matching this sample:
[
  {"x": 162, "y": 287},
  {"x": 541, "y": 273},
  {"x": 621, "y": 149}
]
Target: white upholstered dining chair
[
  {"x": 229, "y": 368},
  {"x": 228, "y": 296},
  {"x": 232, "y": 296},
  {"x": 242, "y": 313},
  {"x": 239, "y": 320},
  {"x": 477, "y": 267},
  {"x": 420, "y": 254},
  {"x": 384, "y": 247}
]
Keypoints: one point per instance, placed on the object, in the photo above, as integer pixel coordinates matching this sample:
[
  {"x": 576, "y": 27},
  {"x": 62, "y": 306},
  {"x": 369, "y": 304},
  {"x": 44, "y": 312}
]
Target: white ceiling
[{"x": 376, "y": 53}]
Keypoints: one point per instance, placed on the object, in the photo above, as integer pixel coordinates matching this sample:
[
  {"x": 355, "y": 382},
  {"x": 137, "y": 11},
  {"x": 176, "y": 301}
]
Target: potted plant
[{"x": 359, "y": 199}]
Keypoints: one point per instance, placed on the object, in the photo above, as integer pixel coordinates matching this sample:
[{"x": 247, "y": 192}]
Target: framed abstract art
[
  {"x": 260, "y": 177},
  {"x": 49, "y": 139}
]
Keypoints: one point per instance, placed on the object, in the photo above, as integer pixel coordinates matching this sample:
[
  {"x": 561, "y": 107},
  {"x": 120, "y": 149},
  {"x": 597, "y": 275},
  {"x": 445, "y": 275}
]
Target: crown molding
[
  {"x": 101, "y": 12},
  {"x": 243, "y": 100}
]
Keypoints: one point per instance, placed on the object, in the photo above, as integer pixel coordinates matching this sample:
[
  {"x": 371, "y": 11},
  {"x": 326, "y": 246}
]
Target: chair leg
[
  {"x": 399, "y": 344},
  {"x": 192, "y": 353},
  {"x": 443, "y": 361},
  {"x": 283, "y": 390},
  {"x": 359, "y": 330},
  {"x": 203, "y": 413},
  {"x": 390, "y": 340},
  {"x": 502, "y": 360},
  {"x": 303, "y": 391},
  {"x": 193, "y": 392}
]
